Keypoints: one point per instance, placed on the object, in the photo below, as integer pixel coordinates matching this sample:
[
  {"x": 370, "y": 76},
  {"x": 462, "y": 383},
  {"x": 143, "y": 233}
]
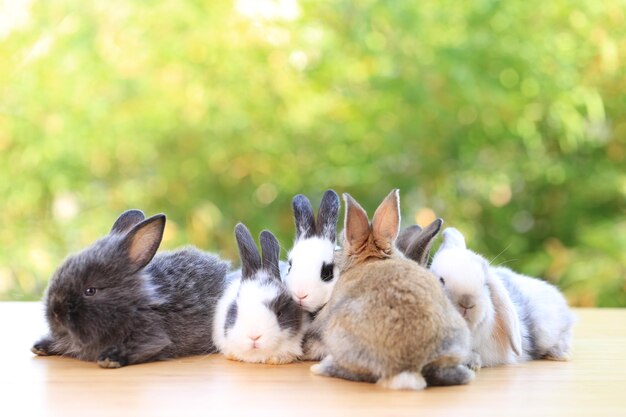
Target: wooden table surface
[{"x": 592, "y": 384}]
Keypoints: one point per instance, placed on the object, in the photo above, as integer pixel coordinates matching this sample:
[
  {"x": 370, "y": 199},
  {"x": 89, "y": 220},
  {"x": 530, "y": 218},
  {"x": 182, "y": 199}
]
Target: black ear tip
[
  {"x": 435, "y": 226},
  {"x": 301, "y": 202},
  {"x": 266, "y": 235},
  {"x": 158, "y": 218},
  {"x": 241, "y": 229},
  {"x": 133, "y": 212},
  {"x": 331, "y": 196}
]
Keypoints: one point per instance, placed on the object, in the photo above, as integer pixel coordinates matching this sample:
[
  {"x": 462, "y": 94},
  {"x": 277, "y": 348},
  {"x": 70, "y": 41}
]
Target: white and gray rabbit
[
  {"x": 312, "y": 271},
  {"x": 512, "y": 317},
  {"x": 118, "y": 304},
  {"x": 256, "y": 319}
]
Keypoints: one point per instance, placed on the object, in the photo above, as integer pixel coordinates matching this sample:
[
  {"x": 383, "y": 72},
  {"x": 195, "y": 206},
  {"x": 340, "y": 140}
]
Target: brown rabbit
[{"x": 388, "y": 320}]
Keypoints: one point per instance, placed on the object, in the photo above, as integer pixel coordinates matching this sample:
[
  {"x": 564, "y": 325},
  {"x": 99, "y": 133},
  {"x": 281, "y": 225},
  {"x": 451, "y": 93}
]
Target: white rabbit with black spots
[
  {"x": 312, "y": 271},
  {"x": 256, "y": 319}
]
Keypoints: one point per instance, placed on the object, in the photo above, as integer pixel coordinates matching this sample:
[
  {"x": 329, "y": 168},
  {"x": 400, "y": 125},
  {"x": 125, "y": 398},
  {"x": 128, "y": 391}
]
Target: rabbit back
[
  {"x": 387, "y": 317},
  {"x": 545, "y": 319},
  {"x": 185, "y": 286}
]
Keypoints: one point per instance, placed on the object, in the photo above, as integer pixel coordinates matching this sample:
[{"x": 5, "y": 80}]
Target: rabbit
[
  {"x": 256, "y": 318},
  {"x": 388, "y": 320},
  {"x": 312, "y": 272},
  {"x": 512, "y": 317},
  {"x": 118, "y": 304},
  {"x": 415, "y": 243}
]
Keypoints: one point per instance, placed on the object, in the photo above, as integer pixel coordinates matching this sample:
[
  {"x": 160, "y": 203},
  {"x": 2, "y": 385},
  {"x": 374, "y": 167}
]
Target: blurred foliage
[{"x": 507, "y": 119}]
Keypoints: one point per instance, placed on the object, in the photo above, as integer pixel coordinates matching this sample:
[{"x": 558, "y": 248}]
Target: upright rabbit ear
[
  {"x": 126, "y": 221},
  {"x": 304, "y": 218},
  {"x": 270, "y": 249},
  {"x": 419, "y": 250},
  {"x": 452, "y": 238},
  {"x": 356, "y": 224},
  {"x": 386, "y": 221},
  {"x": 407, "y": 236},
  {"x": 143, "y": 240},
  {"x": 327, "y": 216},
  {"x": 248, "y": 252},
  {"x": 507, "y": 325}
]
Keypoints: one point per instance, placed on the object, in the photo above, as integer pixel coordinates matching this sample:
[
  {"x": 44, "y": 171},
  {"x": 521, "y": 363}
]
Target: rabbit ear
[
  {"x": 327, "y": 216},
  {"x": 143, "y": 240},
  {"x": 406, "y": 237},
  {"x": 419, "y": 250},
  {"x": 127, "y": 220},
  {"x": 356, "y": 224},
  {"x": 270, "y": 249},
  {"x": 248, "y": 252},
  {"x": 507, "y": 322},
  {"x": 304, "y": 218},
  {"x": 386, "y": 221},
  {"x": 452, "y": 238}
]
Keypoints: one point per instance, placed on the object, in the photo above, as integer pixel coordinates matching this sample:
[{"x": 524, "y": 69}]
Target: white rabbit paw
[{"x": 475, "y": 363}]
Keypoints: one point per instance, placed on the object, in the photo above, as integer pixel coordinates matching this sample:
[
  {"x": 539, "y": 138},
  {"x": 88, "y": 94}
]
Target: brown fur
[{"x": 387, "y": 314}]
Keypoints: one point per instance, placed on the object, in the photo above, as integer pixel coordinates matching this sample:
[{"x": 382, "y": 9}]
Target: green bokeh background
[{"x": 507, "y": 119}]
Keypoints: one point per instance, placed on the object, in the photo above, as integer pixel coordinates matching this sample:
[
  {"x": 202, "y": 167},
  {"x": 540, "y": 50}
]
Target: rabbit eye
[
  {"x": 289, "y": 269},
  {"x": 279, "y": 313},
  {"x": 90, "y": 291},
  {"x": 443, "y": 281},
  {"x": 327, "y": 272}
]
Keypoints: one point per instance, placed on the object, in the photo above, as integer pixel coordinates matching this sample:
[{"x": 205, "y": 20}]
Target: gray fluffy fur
[{"x": 145, "y": 308}]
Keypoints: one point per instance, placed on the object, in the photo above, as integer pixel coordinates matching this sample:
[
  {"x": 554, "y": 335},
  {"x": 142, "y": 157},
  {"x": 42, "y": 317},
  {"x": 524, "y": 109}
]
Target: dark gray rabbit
[{"x": 118, "y": 304}]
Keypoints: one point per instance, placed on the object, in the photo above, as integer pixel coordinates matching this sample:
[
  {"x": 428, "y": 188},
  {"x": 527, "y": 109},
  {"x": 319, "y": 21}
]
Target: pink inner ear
[
  {"x": 386, "y": 222},
  {"x": 143, "y": 243},
  {"x": 357, "y": 225}
]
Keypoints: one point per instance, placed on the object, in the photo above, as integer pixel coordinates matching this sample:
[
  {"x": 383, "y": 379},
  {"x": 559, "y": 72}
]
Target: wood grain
[{"x": 592, "y": 384}]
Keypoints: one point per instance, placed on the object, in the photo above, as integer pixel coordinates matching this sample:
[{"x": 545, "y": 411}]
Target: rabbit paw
[
  {"x": 314, "y": 351},
  {"x": 42, "y": 347},
  {"x": 475, "y": 363},
  {"x": 324, "y": 367},
  {"x": 110, "y": 358},
  {"x": 279, "y": 360}
]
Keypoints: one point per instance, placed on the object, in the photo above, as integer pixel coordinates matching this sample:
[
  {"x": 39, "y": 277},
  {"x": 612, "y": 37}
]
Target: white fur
[
  {"x": 469, "y": 280},
  {"x": 152, "y": 290},
  {"x": 254, "y": 318},
  {"x": 404, "y": 381},
  {"x": 307, "y": 257},
  {"x": 549, "y": 310}
]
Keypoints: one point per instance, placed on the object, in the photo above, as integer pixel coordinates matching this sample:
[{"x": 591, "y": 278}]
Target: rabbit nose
[
  {"x": 466, "y": 301},
  {"x": 254, "y": 338},
  {"x": 301, "y": 296}
]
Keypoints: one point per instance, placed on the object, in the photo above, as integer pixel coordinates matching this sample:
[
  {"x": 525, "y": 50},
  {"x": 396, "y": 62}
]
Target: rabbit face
[
  {"x": 312, "y": 272},
  {"x": 91, "y": 297},
  {"x": 261, "y": 321},
  {"x": 95, "y": 293},
  {"x": 464, "y": 282}
]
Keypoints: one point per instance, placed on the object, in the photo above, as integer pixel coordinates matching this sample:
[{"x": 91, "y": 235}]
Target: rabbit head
[
  {"x": 312, "y": 270},
  {"x": 476, "y": 292},
  {"x": 94, "y": 292},
  {"x": 263, "y": 323}
]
